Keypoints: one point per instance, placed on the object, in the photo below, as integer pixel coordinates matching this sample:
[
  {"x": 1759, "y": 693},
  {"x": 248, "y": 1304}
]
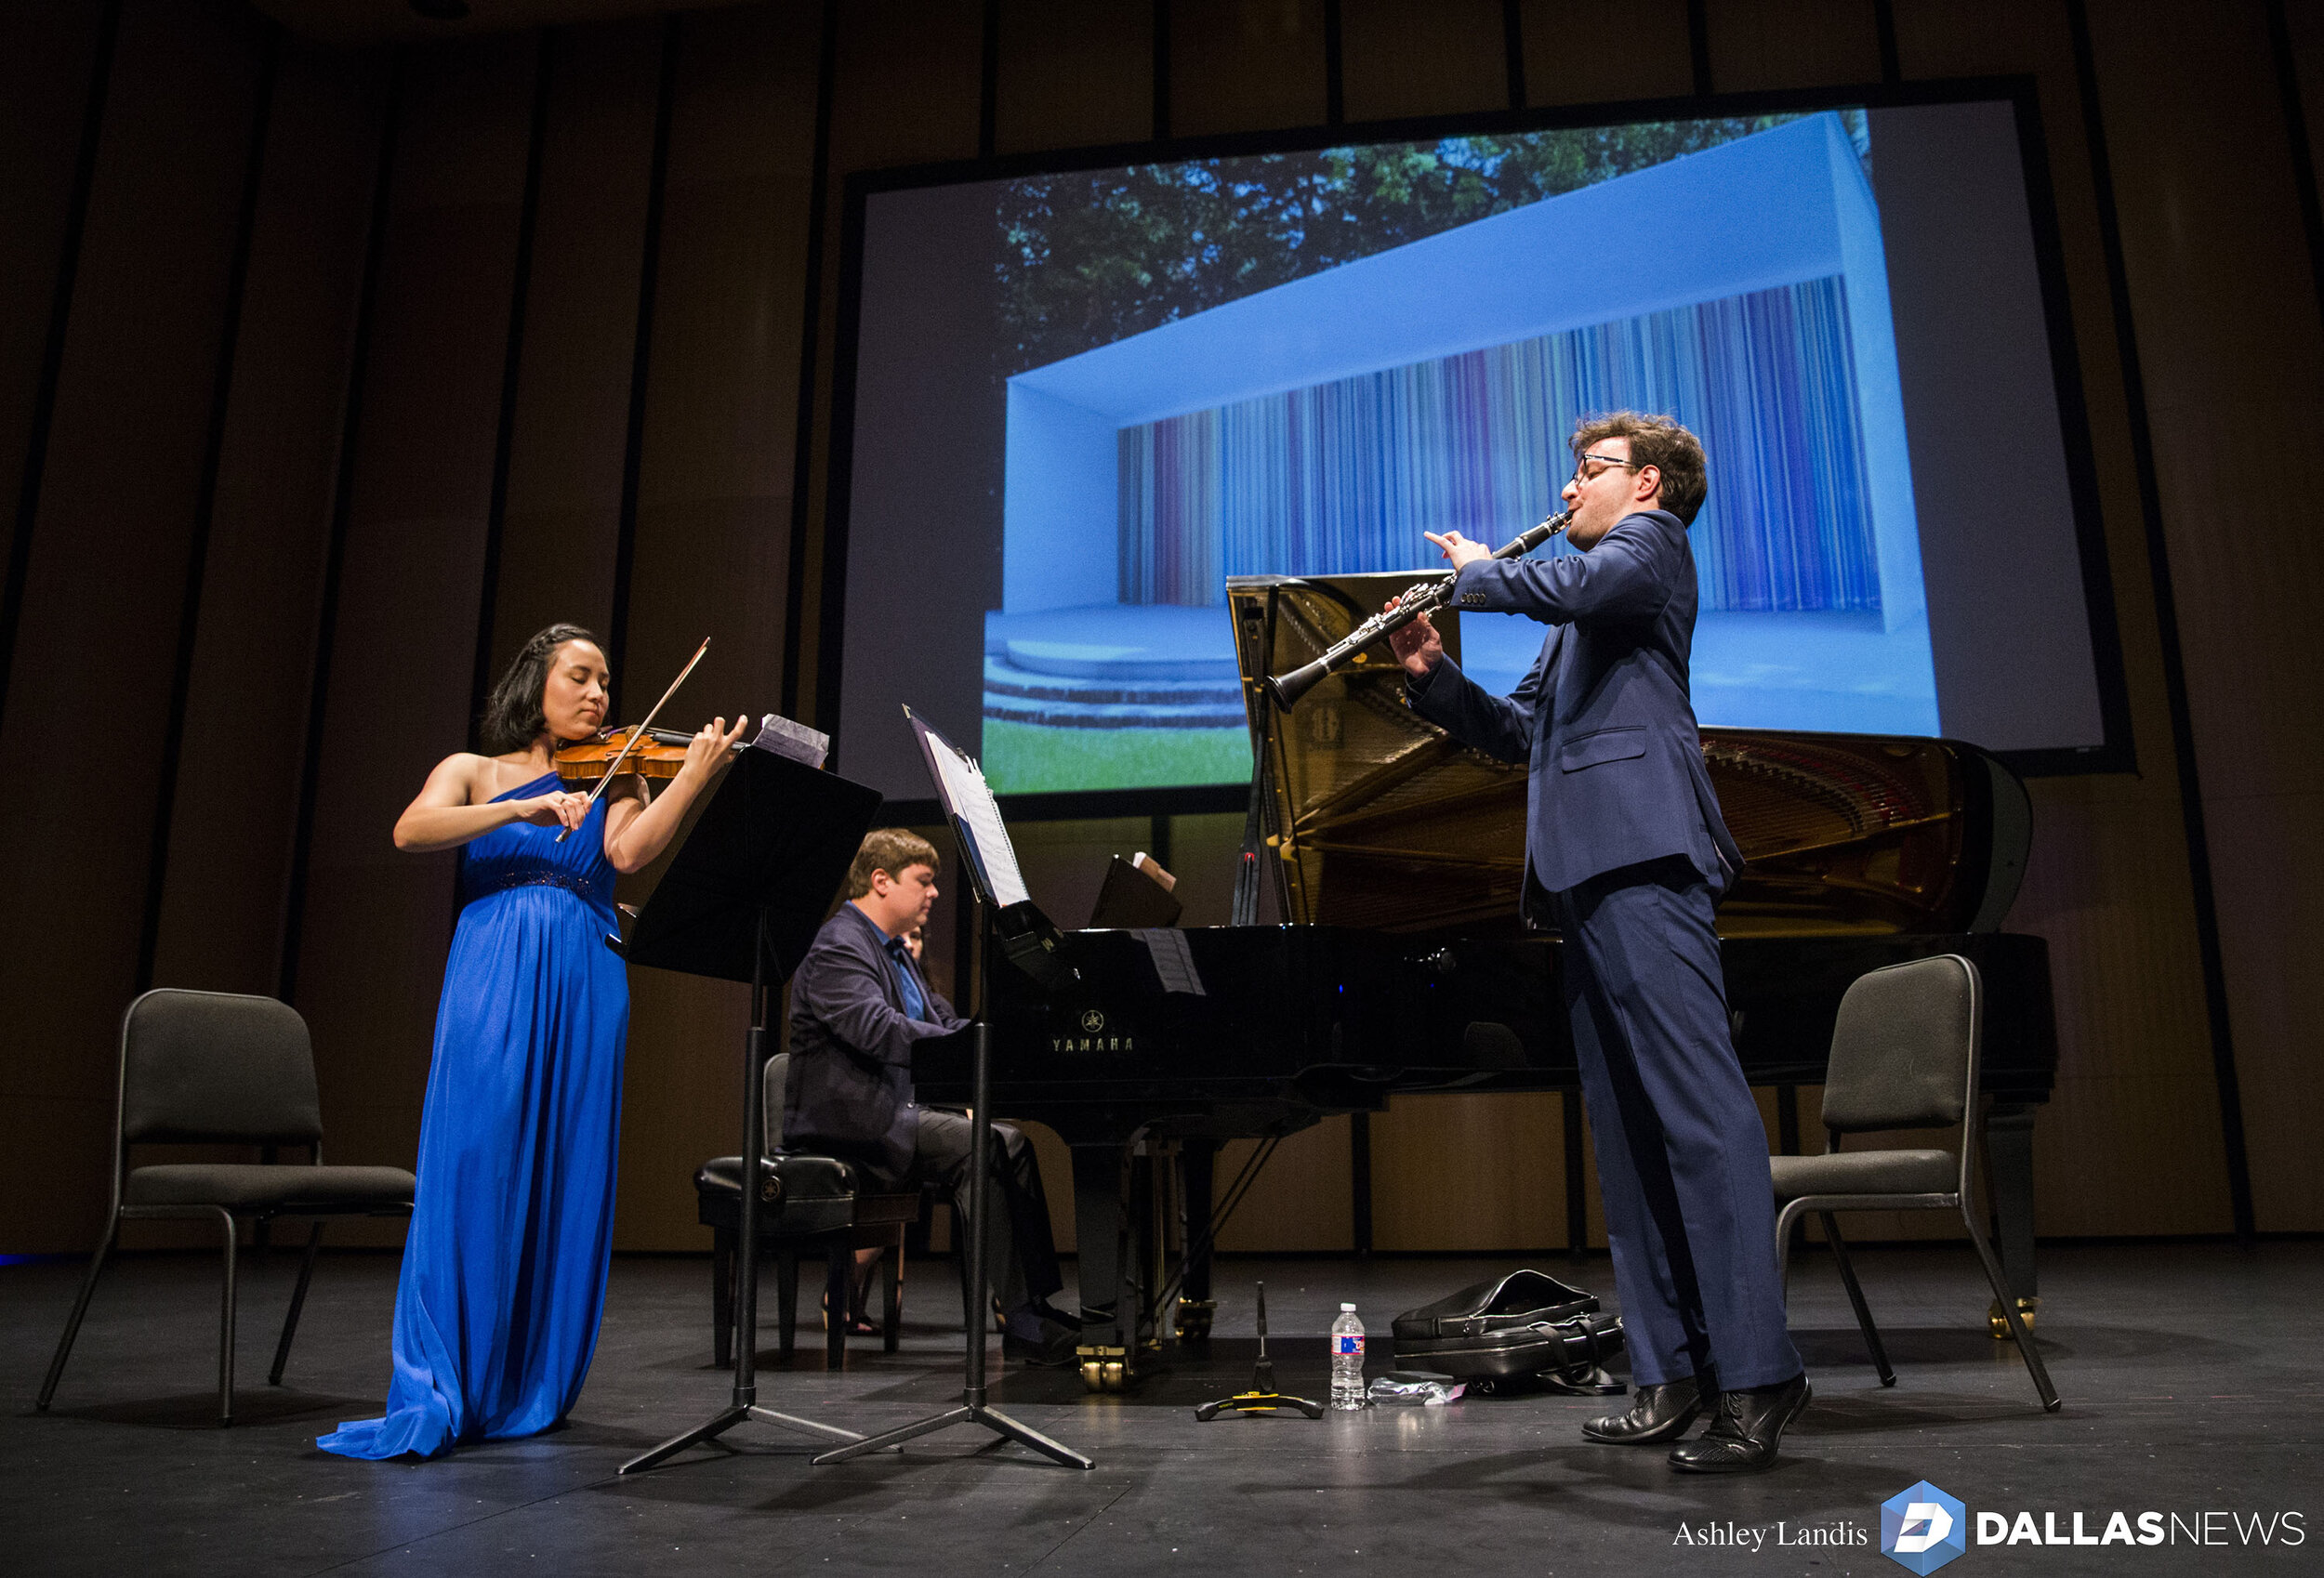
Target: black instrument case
[{"x": 1525, "y": 1324}]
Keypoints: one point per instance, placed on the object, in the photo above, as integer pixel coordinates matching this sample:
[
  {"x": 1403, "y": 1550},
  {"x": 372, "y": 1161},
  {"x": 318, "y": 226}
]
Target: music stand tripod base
[
  {"x": 749, "y": 886},
  {"x": 735, "y": 1414},
  {"x": 981, "y": 1413},
  {"x": 973, "y": 1409}
]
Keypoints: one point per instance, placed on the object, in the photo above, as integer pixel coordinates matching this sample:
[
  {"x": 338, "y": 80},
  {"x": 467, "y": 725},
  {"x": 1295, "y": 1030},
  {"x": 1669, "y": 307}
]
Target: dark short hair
[
  {"x": 892, "y": 850},
  {"x": 1658, "y": 442},
  {"x": 512, "y": 717}
]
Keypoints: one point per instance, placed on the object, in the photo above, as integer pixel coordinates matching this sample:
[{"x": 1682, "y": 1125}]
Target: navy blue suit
[
  {"x": 850, "y": 1093},
  {"x": 1626, "y": 852},
  {"x": 849, "y": 1096}
]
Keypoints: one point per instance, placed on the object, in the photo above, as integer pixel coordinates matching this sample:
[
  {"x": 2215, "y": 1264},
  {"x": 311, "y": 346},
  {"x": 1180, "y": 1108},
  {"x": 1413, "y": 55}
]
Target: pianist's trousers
[
  {"x": 1681, "y": 1153},
  {"x": 1020, "y": 1254}
]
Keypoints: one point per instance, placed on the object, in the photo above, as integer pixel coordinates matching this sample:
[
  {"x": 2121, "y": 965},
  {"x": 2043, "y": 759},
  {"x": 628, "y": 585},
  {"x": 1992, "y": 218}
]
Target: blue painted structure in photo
[{"x": 1328, "y": 406}]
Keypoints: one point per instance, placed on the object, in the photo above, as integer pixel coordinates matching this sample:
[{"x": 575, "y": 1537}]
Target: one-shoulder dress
[{"x": 505, "y": 1265}]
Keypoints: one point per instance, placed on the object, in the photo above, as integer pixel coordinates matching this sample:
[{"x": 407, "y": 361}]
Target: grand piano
[{"x": 1399, "y": 964}]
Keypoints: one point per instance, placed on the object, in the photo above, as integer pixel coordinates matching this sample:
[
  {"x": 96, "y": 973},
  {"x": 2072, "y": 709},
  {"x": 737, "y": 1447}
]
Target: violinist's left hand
[{"x": 708, "y": 749}]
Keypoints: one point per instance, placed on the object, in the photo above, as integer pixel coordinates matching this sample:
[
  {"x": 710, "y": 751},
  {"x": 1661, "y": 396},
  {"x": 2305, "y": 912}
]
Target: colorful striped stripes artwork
[{"x": 1345, "y": 475}]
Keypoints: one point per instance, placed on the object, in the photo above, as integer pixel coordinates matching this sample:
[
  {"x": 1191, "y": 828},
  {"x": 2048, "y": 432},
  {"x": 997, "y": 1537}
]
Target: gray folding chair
[
  {"x": 1903, "y": 1055},
  {"x": 207, "y": 1067}
]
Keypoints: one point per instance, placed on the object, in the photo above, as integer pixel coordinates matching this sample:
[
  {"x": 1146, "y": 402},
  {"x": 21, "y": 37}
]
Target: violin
[
  {"x": 642, "y": 749},
  {"x": 657, "y": 754}
]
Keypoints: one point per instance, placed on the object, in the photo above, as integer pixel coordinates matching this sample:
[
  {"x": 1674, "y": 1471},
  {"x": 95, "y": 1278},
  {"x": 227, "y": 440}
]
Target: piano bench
[{"x": 807, "y": 1204}]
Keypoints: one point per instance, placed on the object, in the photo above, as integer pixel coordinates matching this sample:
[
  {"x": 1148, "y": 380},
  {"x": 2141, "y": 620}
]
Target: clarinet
[{"x": 1425, "y": 596}]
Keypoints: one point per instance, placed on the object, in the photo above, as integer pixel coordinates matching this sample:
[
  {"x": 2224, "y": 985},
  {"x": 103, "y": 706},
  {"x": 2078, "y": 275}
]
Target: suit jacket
[
  {"x": 1604, "y": 718},
  {"x": 850, "y": 1090}
]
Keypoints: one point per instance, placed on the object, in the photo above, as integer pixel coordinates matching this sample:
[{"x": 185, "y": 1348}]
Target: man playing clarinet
[{"x": 1626, "y": 853}]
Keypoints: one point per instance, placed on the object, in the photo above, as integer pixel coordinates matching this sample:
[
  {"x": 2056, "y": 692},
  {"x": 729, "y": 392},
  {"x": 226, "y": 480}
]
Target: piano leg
[
  {"x": 1141, "y": 1246},
  {"x": 2009, "y": 1171},
  {"x": 1197, "y": 1160},
  {"x": 1097, "y": 1237}
]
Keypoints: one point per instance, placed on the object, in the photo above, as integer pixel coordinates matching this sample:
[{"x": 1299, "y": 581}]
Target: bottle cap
[{"x": 1347, "y": 1309}]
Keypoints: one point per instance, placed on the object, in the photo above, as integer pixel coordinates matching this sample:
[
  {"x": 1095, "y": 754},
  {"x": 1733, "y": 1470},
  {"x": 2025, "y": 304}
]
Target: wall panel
[
  {"x": 563, "y": 516},
  {"x": 1766, "y": 44},
  {"x": 1301, "y": 1203},
  {"x": 1439, "y": 60},
  {"x": 907, "y": 90},
  {"x": 2304, "y": 36},
  {"x": 376, "y": 923},
  {"x": 2108, "y": 881},
  {"x": 105, "y": 580},
  {"x": 1075, "y": 73},
  {"x": 1483, "y": 1173},
  {"x": 245, "y": 747},
  {"x": 713, "y": 526},
  {"x": 1603, "y": 51},
  {"x": 2233, "y": 354},
  {"x": 910, "y": 83},
  {"x": 49, "y": 60},
  {"x": 1246, "y": 65},
  {"x": 1205, "y": 853}
]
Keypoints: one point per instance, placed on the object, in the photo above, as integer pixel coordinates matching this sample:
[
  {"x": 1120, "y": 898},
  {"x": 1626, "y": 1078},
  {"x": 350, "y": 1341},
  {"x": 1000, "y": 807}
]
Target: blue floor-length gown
[{"x": 504, "y": 1268}]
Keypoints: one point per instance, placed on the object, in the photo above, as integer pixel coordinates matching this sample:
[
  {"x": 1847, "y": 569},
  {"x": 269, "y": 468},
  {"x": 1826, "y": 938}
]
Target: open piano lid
[{"x": 1383, "y": 820}]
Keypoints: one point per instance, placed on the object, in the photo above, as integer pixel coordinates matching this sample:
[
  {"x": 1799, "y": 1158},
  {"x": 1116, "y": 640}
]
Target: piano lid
[{"x": 1382, "y": 820}]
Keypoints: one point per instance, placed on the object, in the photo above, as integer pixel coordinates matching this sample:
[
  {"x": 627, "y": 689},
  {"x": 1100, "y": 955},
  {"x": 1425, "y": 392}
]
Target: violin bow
[{"x": 638, "y": 734}]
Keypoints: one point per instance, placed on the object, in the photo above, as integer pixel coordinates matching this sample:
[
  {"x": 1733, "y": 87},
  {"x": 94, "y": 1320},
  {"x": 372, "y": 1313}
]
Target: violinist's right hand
[
  {"x": 1416, "y": 645},
  {"x": 556, "y": 809}
]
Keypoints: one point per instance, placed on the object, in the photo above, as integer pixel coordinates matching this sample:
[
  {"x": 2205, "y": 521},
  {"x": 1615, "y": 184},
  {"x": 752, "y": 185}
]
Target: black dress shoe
[
  {"x": 1657, "y": 1413},
  {"x": 1028, "y": 1339},
  {"x": 1743, "y": 1439}
]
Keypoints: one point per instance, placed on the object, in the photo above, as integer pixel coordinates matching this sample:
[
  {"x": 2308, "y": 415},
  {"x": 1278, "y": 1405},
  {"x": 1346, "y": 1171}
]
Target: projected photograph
[
  {"x": 1297, "y": 365},
  {"x": 1080, "y": 401}
]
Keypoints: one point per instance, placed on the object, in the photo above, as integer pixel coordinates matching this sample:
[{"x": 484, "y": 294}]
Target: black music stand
[
  {"x": 743, "y": 902},
  {"x": 966, "y": 820}
]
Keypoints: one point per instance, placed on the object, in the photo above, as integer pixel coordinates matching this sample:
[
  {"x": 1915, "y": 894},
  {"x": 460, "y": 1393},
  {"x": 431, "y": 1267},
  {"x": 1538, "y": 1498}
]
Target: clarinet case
[{"x": 1526, "y": 1325}]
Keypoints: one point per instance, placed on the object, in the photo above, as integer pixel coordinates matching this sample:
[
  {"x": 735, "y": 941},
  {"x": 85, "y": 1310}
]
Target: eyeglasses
[{"x": 1581, "y": 466}]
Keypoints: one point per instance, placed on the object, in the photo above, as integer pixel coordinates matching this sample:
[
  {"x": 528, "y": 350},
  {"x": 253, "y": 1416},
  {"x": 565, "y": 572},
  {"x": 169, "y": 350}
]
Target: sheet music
[
  {"x": 1173, "y": 960},
  {"x": 963, "y": 787}
]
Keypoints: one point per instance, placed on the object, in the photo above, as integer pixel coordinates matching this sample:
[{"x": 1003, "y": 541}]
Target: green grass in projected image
[{"x": 1028, "y": 758}]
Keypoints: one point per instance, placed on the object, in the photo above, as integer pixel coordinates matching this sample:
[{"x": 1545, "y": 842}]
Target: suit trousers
[
  {"x": 1682, "y": 1152},
  {"x": 1020, "y": 1251}
]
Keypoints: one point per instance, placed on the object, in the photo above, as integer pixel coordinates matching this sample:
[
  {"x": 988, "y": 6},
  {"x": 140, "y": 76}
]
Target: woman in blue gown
[{"x": 504, "y": 1267}]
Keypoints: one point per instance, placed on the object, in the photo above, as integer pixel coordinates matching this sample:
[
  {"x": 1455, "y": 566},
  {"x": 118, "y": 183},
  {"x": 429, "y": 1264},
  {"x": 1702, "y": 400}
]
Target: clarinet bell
[{"x": 1286, "y": 688}]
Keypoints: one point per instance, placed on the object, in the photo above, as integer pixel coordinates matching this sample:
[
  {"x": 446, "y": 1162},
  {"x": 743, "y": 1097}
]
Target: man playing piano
[
  {"x": 859, "y": 1004},
  {"x": 1626, "y": 853}
]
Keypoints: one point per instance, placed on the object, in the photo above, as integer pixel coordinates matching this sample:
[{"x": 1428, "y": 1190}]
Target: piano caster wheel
[
  {"x": 2025, "y": 1311},
  {"x": 1194, "y": 1319},
  {"x": 1104, "y": 1369}
]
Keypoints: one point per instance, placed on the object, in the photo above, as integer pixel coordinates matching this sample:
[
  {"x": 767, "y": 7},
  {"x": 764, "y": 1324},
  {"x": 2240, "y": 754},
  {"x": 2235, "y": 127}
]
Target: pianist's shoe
[
  {"x": 1749, "y": 1429},
  {"x": 1055, "y": 1316},
  {"x": 1030, "y": 1338},
  {"x": 1658, "y": 1414}
]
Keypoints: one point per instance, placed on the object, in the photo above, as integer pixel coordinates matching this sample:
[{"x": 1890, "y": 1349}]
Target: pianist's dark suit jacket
[
  {"x": 849, "y": 1092},
  {"x": 1604, "y": 718}
]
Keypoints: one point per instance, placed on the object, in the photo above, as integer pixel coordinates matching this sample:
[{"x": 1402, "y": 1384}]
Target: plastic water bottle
[{"x": 1347, "y": 1359}]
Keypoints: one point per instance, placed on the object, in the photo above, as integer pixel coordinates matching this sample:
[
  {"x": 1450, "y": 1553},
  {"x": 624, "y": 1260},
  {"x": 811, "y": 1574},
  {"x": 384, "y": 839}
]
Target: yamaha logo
[{"x": 1093, "y": 1037}]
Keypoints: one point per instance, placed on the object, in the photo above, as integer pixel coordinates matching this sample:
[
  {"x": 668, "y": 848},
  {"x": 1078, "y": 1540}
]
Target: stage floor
[{"x": 2192, "y": 1379}]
